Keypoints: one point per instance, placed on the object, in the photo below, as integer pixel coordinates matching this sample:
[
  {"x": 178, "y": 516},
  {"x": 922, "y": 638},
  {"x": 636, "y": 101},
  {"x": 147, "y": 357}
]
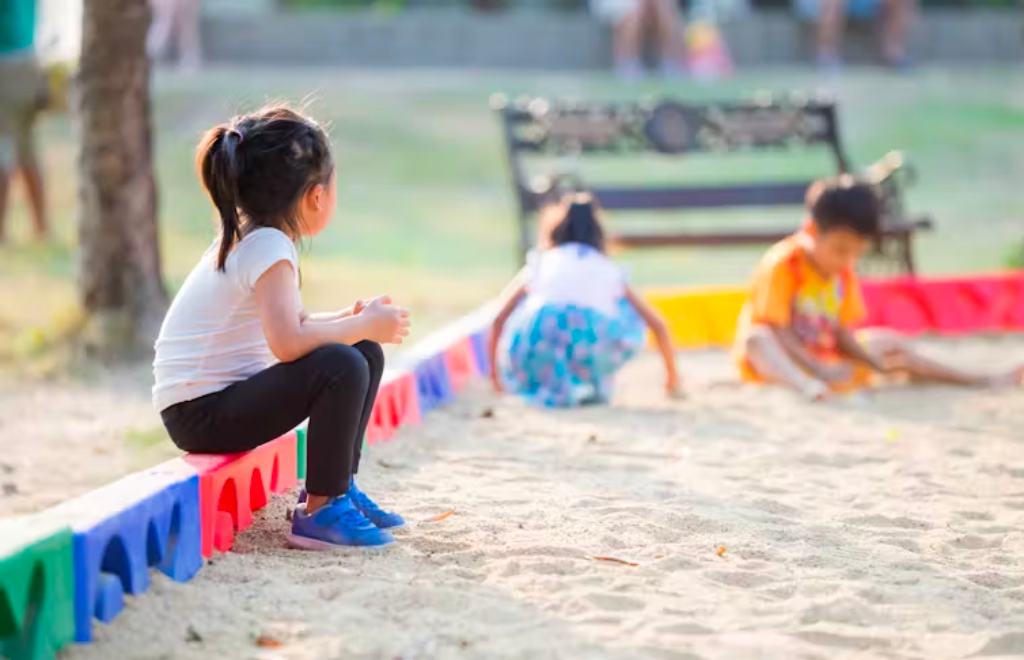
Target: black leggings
[{"x": 334, "y": 386}]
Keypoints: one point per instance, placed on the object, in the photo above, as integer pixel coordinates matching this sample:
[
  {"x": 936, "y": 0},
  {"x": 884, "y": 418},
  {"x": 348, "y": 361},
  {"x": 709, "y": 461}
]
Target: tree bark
[{"x": 120, "y": 285}]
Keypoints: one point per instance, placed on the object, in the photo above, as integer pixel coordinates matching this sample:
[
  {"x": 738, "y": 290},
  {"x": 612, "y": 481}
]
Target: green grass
[{"x": 425, "y": 210}]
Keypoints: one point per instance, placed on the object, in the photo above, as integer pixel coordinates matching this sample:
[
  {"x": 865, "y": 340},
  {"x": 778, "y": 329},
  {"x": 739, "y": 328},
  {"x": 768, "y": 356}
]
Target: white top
[
  {"x": 212, "y": 335},
  {"x": 575, "y": 274}
]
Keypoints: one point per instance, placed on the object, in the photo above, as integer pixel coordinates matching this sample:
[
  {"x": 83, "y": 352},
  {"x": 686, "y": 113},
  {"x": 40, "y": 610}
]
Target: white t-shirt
[
  {"x": 212, "y": 335},
  {"x": 575, "y": 274}
]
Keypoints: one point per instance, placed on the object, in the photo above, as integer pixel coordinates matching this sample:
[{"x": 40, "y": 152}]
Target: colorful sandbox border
[{"x": 72, "y": 564}]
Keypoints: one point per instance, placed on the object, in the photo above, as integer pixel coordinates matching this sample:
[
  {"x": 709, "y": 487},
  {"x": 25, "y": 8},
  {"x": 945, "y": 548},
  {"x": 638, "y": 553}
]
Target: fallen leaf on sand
[
  {"x": 615, "y": 560},
  {"x": 446, "y": 514},
  {"x": 386, "y": 464},
  {"x": 592, "y": 437},
  {"x": 487, "y": 413},
  {"x": 267, "y": 642},
  {"x": 720, "y": 551}
]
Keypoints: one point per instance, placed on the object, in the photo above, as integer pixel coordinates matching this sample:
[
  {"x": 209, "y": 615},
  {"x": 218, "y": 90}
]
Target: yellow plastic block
[{"x": 699, "y": 317}]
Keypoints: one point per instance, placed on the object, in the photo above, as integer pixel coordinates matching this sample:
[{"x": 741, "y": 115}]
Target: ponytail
[
  {"x": 257, "y": 167},
  {"x": 217, "y": 158}
]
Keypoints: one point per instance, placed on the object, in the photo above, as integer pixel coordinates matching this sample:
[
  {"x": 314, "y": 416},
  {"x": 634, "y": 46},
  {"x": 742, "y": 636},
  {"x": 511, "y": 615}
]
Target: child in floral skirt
[{"x": 568, "y": 320}]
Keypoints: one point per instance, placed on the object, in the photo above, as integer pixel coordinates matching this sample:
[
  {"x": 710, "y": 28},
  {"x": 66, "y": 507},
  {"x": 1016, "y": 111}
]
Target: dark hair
[
  {"x": 574, "y": 220},
  {"x": 257, "y": 167},
  {"x": 846, "y": 203}
]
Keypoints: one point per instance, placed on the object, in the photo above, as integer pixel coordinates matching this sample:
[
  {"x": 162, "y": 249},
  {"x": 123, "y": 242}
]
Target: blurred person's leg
[
  {"x": 20, "y": 95},
  {"x": 160, "y": 27},
  {"x": 897, "y": 17},
  {"x": 671, "y": 38},
  {"x": 831, "y": 23},
  {"x": 31, "y": 173},
  {"x": 627, "y": 26},
  {"x": 186, "y": 25}
]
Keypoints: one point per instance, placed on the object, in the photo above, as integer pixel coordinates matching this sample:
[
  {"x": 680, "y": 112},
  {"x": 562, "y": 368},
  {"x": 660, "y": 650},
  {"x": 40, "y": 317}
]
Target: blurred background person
[
  {"x": 22, "y": 97},
  {"x": 895, "y": 17},
  {"x": 177, "y": 19},
  {"x": 630, "y": 19}
]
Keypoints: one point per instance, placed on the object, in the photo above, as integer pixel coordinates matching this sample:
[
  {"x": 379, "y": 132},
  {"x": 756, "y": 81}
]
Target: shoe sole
[{"x": 313, "y": 545}]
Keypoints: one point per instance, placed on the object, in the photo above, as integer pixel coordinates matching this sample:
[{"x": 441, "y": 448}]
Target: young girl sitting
[
  {"x": 270, "y": 174},
  {"x": 568, "y": 321}
]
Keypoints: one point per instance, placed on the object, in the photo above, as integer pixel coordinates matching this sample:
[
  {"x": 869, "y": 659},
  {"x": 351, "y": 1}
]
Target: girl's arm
[
  {"x": 509, "y": 298},
  {"x": 291, "y": 337},
  {"x": 660, "y": 331}
]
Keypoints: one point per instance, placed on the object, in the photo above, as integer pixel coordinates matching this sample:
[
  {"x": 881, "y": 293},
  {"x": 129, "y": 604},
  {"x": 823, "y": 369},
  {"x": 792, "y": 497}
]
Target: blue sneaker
[
  {"x": 339, "y": 523},
  {"x": 378, "y": 516},
  {"x": 382, "y": 519}
]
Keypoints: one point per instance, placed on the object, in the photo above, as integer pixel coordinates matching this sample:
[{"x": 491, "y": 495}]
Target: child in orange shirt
[{"x": 795, "y": 328}]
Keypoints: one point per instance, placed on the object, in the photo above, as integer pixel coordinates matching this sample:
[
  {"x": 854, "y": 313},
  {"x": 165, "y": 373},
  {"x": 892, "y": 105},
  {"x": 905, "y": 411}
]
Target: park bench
[{"x": 571, "y": 130}]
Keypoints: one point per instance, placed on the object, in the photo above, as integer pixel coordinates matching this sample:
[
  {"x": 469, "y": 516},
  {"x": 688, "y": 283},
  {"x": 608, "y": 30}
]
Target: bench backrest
[{"x": 537, "y": 126}]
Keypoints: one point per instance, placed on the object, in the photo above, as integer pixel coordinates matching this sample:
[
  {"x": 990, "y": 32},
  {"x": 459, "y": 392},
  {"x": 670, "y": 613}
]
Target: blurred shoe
[
  {"x": 900, "y": 63},
  {"x": 337, "y": 524},
  {"x": 630, "y": 69},
  {"x": 829, "y": 63},
  {"x": 673, "y": 70}
]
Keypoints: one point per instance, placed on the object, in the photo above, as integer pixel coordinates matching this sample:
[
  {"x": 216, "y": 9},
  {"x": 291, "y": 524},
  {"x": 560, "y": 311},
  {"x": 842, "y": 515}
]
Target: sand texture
[{"x": 761, "y": 526}]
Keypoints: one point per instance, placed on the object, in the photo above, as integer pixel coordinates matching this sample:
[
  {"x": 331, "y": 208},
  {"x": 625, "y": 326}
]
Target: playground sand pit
[{"x": 736, "y": 523}]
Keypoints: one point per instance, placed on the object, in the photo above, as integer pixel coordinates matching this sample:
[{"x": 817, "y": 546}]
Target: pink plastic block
[
  {"x": 232, "y": 486},
  {"x": 461, "y": 363},
  {"x": 397, "y": 405}
]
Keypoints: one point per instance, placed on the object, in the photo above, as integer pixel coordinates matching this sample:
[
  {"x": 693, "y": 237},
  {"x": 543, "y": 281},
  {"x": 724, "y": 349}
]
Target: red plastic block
[
  {"x": 232, "y": 486},
  {"x": 904, "y": 306},
  {"x": 952, "y": 306},
  {"x": 397, "y": 405},
  {"x": 461, "y": 363}
]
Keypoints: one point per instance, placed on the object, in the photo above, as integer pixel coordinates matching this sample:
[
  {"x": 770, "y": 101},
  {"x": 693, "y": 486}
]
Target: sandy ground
[{"x": 892, "y": 529}]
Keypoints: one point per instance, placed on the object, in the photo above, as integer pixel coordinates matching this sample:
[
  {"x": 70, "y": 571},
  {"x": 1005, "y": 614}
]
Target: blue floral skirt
[{"x": 564, "y": 355}]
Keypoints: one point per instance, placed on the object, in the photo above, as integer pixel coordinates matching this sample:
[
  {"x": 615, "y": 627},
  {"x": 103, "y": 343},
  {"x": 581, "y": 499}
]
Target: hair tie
[{"x": 235, "y": 131}]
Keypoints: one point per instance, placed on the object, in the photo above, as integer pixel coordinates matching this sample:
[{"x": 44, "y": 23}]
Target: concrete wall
[{"x": 536, "y": 40}]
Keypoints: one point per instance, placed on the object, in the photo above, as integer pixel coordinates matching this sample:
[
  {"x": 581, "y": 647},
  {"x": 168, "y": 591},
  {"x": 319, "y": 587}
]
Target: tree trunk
[{"x": 120, "y": 285}]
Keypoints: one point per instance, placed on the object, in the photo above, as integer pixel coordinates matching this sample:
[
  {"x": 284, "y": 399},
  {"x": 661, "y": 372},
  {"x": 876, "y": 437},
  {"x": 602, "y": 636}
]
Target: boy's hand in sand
[
  {"x": 836, "y": 374},
  {"x": 385, "y": 323}
]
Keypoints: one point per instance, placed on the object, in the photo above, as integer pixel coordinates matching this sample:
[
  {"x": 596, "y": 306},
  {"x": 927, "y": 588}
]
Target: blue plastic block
[
  {"x": 149, "y": 519},
  {"x": 433, "y": 386},
  {"x": 479, "y": 341}
]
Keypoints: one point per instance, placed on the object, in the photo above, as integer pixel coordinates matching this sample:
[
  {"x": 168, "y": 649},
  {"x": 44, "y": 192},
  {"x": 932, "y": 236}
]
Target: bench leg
[{"x": 907, "y": 249}]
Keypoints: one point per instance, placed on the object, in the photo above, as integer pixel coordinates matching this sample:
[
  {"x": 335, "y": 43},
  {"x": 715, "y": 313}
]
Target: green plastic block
[
  {"x": 37, "y": 589},
  {"x": 301, "y": 447}
]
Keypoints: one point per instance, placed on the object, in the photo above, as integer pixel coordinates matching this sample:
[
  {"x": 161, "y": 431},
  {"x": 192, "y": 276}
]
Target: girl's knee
[
  {"x": 342, "y": 360},
  {"x": 373, "y": 352}
]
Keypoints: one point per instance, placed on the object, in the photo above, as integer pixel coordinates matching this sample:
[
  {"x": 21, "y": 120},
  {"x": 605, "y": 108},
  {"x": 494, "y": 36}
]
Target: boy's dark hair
[
  {"x": 257, "y": 166},
  {"x": 846, "y": 203},
  {"x": 575, "y": 220}
]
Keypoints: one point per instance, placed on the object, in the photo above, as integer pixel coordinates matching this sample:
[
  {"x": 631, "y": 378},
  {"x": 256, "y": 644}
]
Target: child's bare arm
[
  {"x": 290, "y": 337},
  {"x": 509, "y": 298},
  {"x": 796, "y": 350},
  {"x": 661, "y": 336},
  {"x": 848, "y": 345}
]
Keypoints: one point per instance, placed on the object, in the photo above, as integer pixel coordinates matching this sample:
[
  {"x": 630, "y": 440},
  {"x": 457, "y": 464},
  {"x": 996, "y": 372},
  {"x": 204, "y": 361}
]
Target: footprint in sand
[
  {"x": 1009, "y": 645},
  {"x": 615, "y": 603},
  {"x": 842, "y": 641},
  {"x": 881, "y": 521},
  {"x": 975, "y": 542},
  {"x": 685, "y": 629},
  {"x": 995, "y": 581},
  {"x": 740, "y": 579}
]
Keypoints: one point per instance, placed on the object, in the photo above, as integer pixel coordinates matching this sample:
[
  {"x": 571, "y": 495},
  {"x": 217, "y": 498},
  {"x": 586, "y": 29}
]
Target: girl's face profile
[{"x": 318, "y": 207}]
